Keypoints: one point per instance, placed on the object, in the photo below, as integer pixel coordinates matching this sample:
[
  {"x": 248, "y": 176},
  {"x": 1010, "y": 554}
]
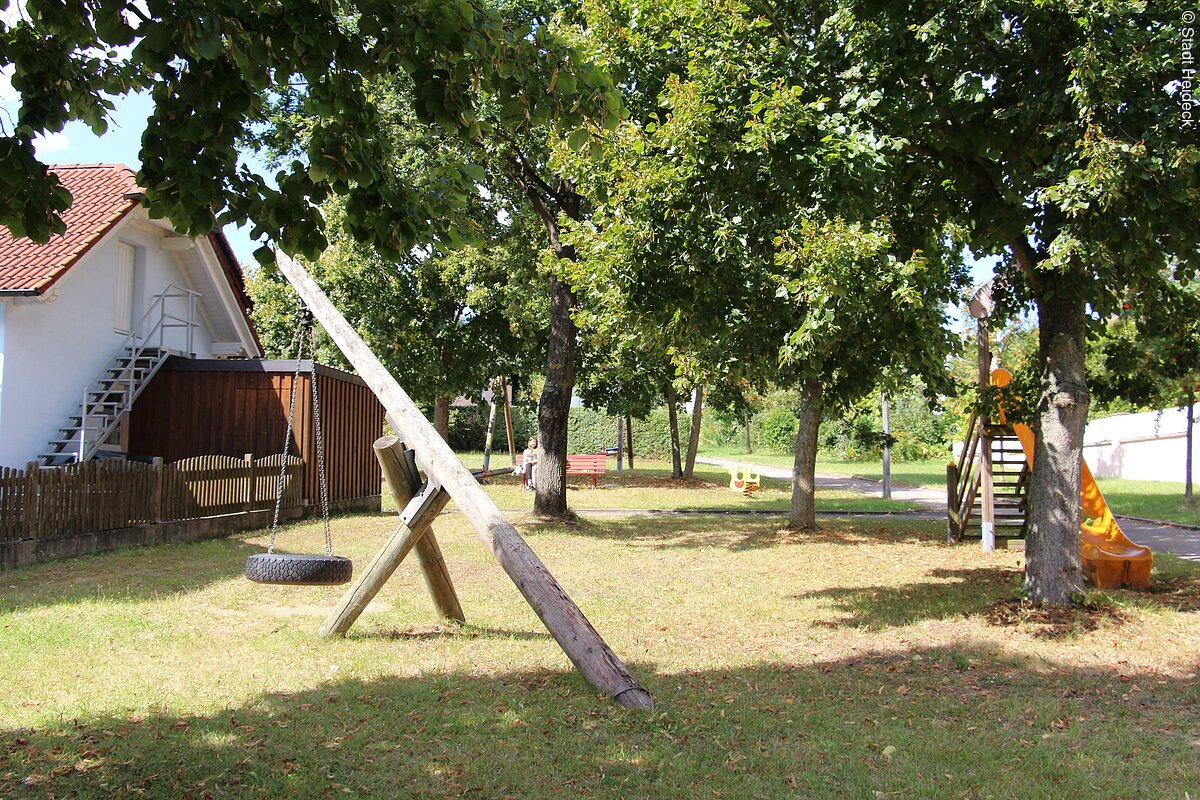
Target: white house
[{"x": 87, "y": 318}]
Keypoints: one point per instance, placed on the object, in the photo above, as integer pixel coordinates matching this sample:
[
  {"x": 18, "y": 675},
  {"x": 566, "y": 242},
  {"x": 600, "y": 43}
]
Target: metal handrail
[{"x": 133, "y": 347}]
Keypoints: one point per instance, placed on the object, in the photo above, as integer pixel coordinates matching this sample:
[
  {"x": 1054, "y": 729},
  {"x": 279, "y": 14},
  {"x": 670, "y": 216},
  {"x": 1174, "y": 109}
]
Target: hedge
[
  {"x": 917, "y": 432},
  {"x": 588, "y": 431}
]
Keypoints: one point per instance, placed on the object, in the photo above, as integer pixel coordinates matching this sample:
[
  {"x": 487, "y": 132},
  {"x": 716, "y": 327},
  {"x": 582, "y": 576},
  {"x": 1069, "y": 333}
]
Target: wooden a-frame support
[
  {"x": 590, "y": 654},
  {"x": 418, "y": 506}
]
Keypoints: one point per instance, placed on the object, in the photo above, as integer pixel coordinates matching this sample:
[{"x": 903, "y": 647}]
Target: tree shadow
[
  {"x": 958, "y": 593},
  {"x": 739, "y": 533},
  {"x": 966, "y": 722},
  {"x": 136, "y": 574},
  {"x": 127, "y": 575}
]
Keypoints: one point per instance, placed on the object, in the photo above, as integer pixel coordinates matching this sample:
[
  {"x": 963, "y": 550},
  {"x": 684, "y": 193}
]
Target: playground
[{"x": 869, "y": 659}]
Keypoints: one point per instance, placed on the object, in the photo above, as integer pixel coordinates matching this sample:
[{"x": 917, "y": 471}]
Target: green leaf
[{"x": 578, "y": 139}]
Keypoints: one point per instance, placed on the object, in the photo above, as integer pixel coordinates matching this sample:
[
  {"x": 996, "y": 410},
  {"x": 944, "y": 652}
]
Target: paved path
[{"x": 1183, "y": 541}]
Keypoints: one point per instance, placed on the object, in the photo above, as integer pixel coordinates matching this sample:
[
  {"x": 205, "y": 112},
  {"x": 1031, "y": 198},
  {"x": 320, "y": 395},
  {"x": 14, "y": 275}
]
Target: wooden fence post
[
  {"x": 33, "y": 522},
  {"x": 250, "y": 487},
  {"x": 156, "y": 492}
]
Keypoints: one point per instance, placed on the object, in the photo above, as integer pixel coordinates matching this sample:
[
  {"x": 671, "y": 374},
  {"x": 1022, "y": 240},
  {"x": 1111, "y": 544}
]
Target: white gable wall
[{"x": 51, "y": 350}]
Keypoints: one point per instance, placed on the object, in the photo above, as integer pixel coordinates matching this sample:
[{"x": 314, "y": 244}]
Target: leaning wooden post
[
  {"x": 508, "y": 423},
  {"x": 594, "y": 659},
  {"x": 951, "y": 503},
  {"x": 491, "y": 425},
  {"x": 414, "y": 528},
  {"x": 397, "y": 469}
]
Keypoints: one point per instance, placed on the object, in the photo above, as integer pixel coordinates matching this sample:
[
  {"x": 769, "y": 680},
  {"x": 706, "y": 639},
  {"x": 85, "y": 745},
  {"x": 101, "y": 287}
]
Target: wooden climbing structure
[
  {"x": 986, "y": 488},
  {"x": 992, "y": 454}
]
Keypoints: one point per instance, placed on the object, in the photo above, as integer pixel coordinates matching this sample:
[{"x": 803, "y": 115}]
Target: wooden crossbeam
[
  {"x": 418, "y": 506},
  {"x": 590, "y": 654}
]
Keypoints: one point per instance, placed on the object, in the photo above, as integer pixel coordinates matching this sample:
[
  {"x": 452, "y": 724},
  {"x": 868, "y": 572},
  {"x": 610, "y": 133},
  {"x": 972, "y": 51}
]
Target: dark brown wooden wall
[{"x": 187, "y": 412}]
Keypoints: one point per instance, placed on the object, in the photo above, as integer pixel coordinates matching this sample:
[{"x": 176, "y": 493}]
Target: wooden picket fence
[{"x": 47, "y": 502}]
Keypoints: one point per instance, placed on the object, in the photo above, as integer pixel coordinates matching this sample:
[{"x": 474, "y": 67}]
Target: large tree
[
  {"x": 865, "y": 317},
  {"x": 753, "y": 228},
  {"x": 1054, "y": 130},
  {"x": 212, "y": 68}
]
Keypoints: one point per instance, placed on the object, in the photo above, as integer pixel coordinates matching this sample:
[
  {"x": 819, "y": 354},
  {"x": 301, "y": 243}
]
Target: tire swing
[{"x": 292, "y": 569}]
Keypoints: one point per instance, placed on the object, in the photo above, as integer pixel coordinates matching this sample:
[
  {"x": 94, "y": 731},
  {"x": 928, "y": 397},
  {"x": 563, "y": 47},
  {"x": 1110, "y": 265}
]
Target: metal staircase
[
  {"x": 166, "y": 329},
  {"x": 1010, "y": 484}
]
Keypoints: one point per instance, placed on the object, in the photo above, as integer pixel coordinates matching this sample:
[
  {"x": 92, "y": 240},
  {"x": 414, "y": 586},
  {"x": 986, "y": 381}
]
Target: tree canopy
[{"x": 213, "y": 68}]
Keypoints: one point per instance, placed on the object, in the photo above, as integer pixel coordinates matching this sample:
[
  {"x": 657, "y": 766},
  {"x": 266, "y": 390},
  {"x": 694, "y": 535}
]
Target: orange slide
[{"x": 1110, "y": 559}]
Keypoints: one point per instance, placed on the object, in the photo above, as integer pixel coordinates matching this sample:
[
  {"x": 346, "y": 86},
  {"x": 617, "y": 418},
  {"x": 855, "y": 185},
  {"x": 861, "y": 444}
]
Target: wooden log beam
[
  {"x": 952, "y": 532},
  {"x": 401, "y": 463},
  {"x": 417, "y": 512},
  {"x": 590, "y": 654}
]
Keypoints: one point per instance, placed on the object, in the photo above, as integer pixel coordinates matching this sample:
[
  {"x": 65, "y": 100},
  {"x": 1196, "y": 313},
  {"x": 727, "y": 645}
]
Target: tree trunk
[
  {"x": 555, "y": 405},
  {"x": 804, "y": 468},
  {"x": 441, "y": 417},
  {"x": 746, "y": 421},
  {"x": 694, "y": 435},
  {"x": 673, "y": 416},
  {"x": 1053, "y": 570}
]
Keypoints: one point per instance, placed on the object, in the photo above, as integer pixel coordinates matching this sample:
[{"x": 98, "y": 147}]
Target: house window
[{"x": 123, "y": 305}]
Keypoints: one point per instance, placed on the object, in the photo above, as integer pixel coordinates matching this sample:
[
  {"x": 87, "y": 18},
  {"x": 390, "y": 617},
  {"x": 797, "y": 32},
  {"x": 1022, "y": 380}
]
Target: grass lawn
[
  {"x": 868, "y": 660},
  {"x": 1152, "y": 499},
  {"x": 650, "y": 486}
]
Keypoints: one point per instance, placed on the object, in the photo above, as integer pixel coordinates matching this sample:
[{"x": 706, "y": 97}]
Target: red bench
[{"x": 594, "y": 464}]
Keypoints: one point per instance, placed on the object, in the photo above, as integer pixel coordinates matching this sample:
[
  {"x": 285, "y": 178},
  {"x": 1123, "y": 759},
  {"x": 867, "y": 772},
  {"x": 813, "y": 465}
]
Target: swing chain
[
  {"x": 298, "y": 342},
  {"x": 320, "y": 452}
]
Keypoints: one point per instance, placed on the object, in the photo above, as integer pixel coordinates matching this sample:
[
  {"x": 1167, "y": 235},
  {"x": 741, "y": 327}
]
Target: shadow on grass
[
  {"x": 737, "y": 533},
  {"x": 992, "y": 592},
  {"x": 451, "y": 631},
  {"x": 131, "y": 574},
  {"x": 138, "y": 573},
  {"x": 960, "y": 593},
  {"x": 920, "y": 724}
]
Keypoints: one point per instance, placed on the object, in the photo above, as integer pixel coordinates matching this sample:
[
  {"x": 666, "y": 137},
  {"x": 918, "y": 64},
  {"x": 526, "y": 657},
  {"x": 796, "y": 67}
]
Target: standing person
[{"x": 529, "y": 460}]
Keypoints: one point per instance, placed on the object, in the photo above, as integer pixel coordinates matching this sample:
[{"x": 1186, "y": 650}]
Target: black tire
[{"x": 299, "y": 570}]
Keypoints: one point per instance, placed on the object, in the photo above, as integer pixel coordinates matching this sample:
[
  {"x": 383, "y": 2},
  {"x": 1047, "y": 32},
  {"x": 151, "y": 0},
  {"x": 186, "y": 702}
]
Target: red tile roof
[{"x": 99, "y": 192}]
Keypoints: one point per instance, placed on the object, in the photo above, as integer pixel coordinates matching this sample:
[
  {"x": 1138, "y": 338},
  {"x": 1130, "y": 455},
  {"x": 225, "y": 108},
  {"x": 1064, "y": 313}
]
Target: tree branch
[
  {"x": 1027, "y": 258},
  {"x": 517, "y": 158}
]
